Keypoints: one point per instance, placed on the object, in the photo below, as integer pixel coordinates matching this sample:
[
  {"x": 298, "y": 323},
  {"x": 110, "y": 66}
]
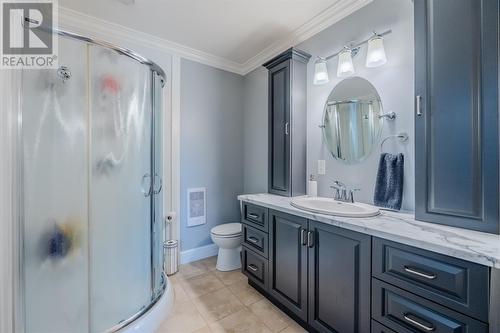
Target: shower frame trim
[{"x": 124, "y": 51}]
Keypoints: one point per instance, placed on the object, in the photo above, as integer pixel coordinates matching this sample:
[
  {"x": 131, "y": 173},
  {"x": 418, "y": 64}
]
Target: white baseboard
[{"x": 199, "y": 253}]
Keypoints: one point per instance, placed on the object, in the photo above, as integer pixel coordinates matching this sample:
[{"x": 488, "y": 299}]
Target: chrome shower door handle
[
  {"x": 155, "y": 183},
  {"x": 287, "y": 128},
  {"x": 149, "y": 189}
]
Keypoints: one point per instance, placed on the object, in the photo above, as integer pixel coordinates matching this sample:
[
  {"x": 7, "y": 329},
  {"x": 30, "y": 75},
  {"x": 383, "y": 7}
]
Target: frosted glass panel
[
  {"x": 120, "y": 168},
  {"x": 54, "y": 216}
]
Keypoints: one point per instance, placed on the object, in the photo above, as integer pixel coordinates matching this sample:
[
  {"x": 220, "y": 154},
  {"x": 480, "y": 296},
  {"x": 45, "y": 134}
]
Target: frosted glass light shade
[
  {"x": 320, "y": 72},
  {"x": 375, "y": 56},
  {"x": 345, "y": 66}
]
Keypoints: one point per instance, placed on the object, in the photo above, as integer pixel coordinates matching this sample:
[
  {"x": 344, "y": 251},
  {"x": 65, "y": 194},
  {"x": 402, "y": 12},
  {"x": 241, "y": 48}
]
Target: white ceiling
[{"x": 234, "y": 30}]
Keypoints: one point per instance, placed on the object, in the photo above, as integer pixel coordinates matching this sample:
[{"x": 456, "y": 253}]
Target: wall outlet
[{"x": 321, "y": 167}]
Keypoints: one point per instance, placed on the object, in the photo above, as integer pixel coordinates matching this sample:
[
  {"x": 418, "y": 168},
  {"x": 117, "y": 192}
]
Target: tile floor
[{"x": 207, "y": 300}]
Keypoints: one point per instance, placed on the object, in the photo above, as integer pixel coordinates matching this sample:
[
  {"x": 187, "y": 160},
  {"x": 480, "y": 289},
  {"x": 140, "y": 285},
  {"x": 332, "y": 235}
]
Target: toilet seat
[{"x": 227, "y": 230}]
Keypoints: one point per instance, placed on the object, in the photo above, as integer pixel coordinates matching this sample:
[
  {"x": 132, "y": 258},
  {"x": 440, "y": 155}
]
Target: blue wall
[
  {"x": 211, "y": 146},
  {"x": 255, "y": 140}
]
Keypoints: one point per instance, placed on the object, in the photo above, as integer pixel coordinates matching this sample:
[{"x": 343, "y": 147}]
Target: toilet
[{"x": 228, "y": 238}]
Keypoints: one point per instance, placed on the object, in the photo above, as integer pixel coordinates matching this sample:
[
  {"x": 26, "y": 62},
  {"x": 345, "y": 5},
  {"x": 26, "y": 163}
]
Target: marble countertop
[{"x": 474, "y": 246}]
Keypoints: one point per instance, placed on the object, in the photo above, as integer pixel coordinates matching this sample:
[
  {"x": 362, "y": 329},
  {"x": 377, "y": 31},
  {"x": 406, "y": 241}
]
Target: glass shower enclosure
[{"x": 90, "y": 216}]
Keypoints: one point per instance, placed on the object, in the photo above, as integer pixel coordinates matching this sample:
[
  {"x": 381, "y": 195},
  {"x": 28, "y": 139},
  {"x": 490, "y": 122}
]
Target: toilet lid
[{"x": 227, "y": 229}]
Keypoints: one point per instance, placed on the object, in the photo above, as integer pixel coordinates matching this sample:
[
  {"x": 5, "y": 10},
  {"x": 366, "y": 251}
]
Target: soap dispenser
[{"x": 312, "y": 186}]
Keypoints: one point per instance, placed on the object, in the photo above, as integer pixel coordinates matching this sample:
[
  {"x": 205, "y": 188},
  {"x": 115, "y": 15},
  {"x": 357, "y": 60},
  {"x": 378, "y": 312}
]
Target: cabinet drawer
[
  {"x": 255, "y": 267},
  {"x": 379, "y": 328},
  {"x": 458, "y": 284},
  {"x": 256, "y": 240},
  {"x": 256, "y": 216},
  {"x": 405, "y": 312}
]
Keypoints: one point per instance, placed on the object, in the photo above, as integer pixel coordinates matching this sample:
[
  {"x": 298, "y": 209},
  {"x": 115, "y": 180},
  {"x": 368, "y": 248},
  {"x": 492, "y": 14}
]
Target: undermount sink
[{"x": 333, "y": 207}]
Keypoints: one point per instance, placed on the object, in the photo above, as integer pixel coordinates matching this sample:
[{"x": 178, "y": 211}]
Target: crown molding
[
  {"x": 78, "y": 22},
  {"x": 320, "y": 22}
]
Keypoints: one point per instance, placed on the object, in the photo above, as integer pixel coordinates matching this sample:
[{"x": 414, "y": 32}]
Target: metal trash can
[{"x": 171, "y": 249}]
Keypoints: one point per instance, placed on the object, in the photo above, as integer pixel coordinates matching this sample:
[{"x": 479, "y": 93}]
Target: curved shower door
[
  {"x": 120, "y": 188},
  {"x": 90, "y": 191}
]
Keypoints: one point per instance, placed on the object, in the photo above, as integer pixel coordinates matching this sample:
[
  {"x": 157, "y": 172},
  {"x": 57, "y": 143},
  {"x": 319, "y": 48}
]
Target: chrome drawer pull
[
  {"x": 418, "y": 324},
  {"x": 253, "y": 239},
  {"x": 413, "y": 271},
  {"x": 253, "y": 216},
  {"x": 303, "y": 239},
  {"x": 253, "y": 267},
  {"x": 418, "y": 107},
  {"x": 310, "y": 239}
]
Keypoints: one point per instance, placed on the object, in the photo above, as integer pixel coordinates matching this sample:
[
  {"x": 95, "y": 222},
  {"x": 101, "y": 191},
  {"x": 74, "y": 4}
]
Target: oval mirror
[{"x": 352, "y": 120}]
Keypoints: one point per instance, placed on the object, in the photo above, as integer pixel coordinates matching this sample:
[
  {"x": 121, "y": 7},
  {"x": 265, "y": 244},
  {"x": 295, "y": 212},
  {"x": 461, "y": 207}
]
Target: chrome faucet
[{"x": 342, "y": 193}]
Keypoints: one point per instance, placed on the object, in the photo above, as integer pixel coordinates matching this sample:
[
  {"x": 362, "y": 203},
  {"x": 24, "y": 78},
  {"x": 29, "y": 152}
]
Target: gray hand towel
[{"x": 389, "y": 184}]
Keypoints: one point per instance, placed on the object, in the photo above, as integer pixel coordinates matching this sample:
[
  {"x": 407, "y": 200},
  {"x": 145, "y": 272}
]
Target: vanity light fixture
[
  {"x": 375, "y": 57},
  {"x": 345, "y": 66},
  {"x": 320, "y": 71}
]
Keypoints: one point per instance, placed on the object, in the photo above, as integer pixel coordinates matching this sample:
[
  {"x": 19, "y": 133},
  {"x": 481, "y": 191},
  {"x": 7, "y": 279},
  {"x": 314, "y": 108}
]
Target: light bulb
[
  {"x": 320, "y": 71},
  {"x": 375, "y": 56}
]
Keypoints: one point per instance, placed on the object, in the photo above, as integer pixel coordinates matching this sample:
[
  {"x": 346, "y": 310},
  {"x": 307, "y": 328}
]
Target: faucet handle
[
  {"x": 351, "y": 194},
  {"x": 340, "y": 190},
  {"x": 336, "y": 194},
  {"x": 337, "y": 184},
  {"x": 337, "y": 187}
]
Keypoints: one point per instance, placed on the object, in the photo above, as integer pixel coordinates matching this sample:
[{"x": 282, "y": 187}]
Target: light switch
[{"x": 321, "y": 167}]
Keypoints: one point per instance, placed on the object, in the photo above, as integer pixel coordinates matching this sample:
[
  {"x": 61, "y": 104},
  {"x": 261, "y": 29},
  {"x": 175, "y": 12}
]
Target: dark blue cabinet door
[
  {"x": 279, "y": 129},
  {"x": 339, "y": 279},
  {"x": 288, "y": 261},
  {"x": 287, "y": 122},
  {"x": 456, "y": 122}
]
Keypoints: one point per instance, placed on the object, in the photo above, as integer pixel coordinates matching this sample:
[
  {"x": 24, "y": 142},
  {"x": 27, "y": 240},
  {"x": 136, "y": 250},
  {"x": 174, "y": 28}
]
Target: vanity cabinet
[
  {"x": 332, "y": 279},
  {"x": 288, "y": 261},
  {"x": 457, "y": 104},
  {"x": 339, "y": 279},
  {"x": 319, "y": 273},
  {"x": 287, "y": 122}
]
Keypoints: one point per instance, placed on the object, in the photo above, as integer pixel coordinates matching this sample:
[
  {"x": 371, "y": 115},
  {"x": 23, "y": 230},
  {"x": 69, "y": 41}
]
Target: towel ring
[{"x": 402, "y": 137}]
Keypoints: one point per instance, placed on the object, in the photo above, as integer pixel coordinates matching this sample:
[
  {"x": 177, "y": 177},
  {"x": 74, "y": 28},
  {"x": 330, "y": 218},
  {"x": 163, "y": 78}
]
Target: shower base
[{"x": 151, "y": 319}]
